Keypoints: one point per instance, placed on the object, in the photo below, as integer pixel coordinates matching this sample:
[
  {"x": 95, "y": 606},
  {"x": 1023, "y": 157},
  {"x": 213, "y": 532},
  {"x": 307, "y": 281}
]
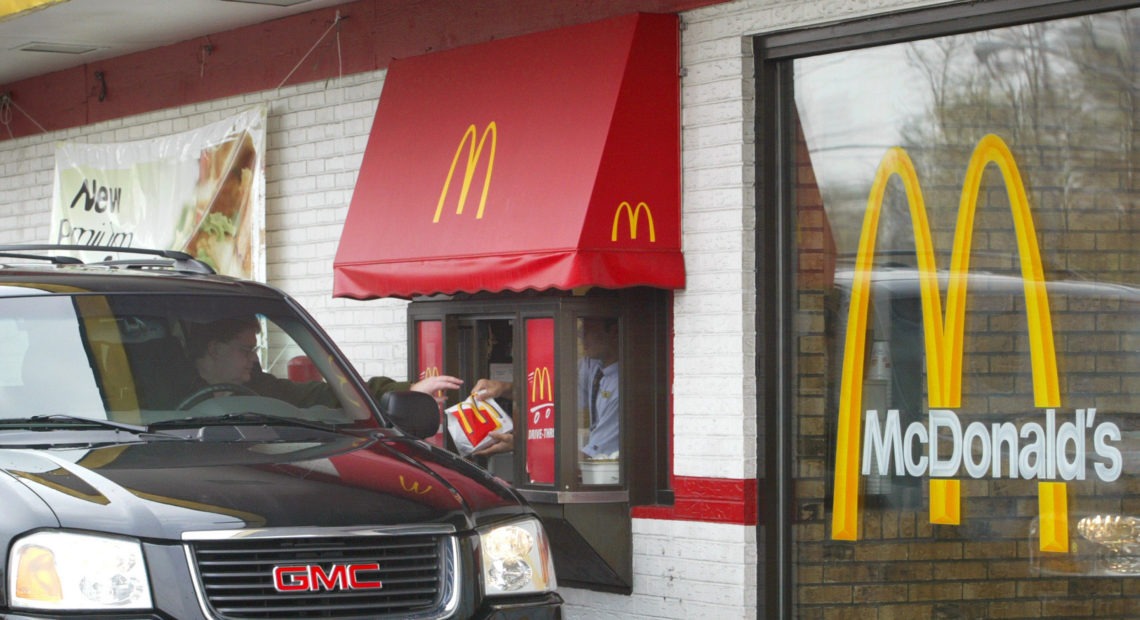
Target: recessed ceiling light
[
  {"x": 57, "y": 48},
  {"x": 273, "y": 2}
]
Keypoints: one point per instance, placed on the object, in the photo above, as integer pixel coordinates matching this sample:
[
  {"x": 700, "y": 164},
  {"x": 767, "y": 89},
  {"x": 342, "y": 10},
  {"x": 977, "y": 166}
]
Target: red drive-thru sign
[
  {"x": 540, "y": 400},
  {"x": 429, "y": 358}
]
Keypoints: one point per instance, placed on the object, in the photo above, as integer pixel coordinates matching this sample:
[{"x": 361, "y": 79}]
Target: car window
[
  {"x": 45, "y": 367},
  {"x": 146, "y": 358}
]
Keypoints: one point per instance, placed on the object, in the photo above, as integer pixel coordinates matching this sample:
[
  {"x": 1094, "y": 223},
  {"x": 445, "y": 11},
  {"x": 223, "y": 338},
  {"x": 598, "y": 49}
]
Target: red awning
[{"x": 543, "y": 161}]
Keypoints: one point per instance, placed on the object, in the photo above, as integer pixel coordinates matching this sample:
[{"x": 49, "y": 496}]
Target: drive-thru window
[{"x": 536, "y": 228}]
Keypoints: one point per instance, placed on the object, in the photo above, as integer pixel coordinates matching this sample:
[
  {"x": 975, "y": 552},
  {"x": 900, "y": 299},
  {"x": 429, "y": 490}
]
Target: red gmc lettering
[{"x": 314, "y": 577}]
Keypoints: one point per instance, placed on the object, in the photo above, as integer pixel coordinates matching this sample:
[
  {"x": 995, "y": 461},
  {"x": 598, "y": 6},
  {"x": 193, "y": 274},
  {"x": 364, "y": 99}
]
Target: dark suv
[{"x": 130, "y": 487}]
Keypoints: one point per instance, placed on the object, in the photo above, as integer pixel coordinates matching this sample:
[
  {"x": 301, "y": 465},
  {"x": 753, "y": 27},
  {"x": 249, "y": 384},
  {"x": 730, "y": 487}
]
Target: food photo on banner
[{"x": 201, "y": 192}]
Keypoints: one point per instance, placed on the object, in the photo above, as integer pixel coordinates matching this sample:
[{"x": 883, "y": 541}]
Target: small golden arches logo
[
  {"x": 414, "y": 486},
  {"x": 541, "y": 386},
  {"x": 632, "y": 215}
]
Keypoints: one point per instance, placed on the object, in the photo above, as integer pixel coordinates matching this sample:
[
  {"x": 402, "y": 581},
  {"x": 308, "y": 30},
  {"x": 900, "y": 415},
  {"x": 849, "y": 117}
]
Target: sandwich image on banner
[{"x": 214, "y": 226}]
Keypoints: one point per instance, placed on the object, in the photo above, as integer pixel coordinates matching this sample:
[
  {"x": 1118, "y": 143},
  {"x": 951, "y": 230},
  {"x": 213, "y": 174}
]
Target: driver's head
[{"x": 225, "y": 351}]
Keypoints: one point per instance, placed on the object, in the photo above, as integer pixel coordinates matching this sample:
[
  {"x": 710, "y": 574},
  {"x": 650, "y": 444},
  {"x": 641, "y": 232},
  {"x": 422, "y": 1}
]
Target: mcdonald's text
[
  {"x": 1054, "y": 450},
  {"x": 944, "y": 341}
]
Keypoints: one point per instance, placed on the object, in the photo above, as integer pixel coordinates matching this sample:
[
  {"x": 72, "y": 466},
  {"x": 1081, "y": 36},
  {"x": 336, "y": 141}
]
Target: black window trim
[{"x": 923, "y": 23}]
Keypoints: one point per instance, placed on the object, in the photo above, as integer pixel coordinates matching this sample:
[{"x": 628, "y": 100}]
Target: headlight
[
  {"x": 516, "y": 559},
  {"x": 65, "y": 570}
]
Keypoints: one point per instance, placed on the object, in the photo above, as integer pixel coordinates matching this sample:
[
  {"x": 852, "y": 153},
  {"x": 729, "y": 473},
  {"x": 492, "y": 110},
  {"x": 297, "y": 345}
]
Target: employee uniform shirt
[{"x": 605, "y": 416}]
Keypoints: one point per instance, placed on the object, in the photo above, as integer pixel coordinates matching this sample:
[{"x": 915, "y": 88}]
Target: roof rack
[{"x": 180, "y": 261}]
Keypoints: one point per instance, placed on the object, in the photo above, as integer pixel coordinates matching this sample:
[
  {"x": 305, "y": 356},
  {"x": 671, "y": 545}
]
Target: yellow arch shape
[
  {"x": 474, "y": 154},
  {"x": 943, "y": 339}
]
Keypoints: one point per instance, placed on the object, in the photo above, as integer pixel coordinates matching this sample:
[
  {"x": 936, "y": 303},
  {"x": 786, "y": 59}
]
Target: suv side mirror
[{"x": 414, "y": 413}]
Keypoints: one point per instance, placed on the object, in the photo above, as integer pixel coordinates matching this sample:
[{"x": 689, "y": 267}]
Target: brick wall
[{"x": 315, "y": 140}]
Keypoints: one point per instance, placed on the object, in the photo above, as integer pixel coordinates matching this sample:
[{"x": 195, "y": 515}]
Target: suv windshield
[{"x": 147, "y": 358}]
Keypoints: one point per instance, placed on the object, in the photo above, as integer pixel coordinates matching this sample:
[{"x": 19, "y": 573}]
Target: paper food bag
[{"x": 471, "y": 423}]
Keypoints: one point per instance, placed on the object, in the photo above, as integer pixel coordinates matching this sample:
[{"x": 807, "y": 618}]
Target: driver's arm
[{"x": 312, "y": 393}]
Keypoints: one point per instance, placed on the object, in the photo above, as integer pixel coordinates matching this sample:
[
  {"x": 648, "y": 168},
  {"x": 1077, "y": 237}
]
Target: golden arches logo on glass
[
  {"x": 474, "y": 156},
  {"x": 943, "y": 337},
  {"x": 632, "y": 217},
  {"x": 433, "y": 371},
  {"x": 541, "y": 385}
]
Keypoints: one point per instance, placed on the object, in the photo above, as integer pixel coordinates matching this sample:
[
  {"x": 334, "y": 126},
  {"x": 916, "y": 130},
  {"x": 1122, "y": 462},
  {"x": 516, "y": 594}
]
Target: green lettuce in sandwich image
[{"x": 220, "y": 230}]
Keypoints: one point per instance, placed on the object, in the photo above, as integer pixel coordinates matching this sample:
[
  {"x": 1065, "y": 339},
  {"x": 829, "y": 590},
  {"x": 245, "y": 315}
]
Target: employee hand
[
  {"x": 436, "y": 386},
  {"x": 489, "y": 388},
  {"x": 504, "y": 442}
]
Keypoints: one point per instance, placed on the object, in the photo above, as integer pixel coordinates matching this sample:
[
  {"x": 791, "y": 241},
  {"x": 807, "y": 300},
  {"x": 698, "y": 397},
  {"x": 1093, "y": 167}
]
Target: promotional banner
[{"x": 201, "y": 192}]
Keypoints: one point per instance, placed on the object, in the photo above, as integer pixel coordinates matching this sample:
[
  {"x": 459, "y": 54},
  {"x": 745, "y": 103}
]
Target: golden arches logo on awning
[
  {"x": 632, "y": 216},
  {"x": 944, "y": 334},
  {"x": 541, "y": 385},
  {"x": 474, "y": 156}
]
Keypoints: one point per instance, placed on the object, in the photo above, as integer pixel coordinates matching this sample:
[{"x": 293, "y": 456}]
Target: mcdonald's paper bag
[{"x": 471, "y": 423}]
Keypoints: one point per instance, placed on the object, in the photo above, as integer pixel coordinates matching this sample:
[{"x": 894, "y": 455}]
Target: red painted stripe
[{"x": 714, "y": 500}]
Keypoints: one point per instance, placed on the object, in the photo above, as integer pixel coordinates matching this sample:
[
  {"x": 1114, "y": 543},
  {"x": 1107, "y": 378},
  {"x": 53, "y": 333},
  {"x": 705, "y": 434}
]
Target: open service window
[{"x": 581, "y": 401}]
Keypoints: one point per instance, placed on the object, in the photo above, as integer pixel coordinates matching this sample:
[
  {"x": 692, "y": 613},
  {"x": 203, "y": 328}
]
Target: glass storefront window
[{"x": 967, "y": 374}]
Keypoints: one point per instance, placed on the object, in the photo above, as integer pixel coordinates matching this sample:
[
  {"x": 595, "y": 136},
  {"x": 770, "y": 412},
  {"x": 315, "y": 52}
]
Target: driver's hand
[{"x": 436, "y": 386}]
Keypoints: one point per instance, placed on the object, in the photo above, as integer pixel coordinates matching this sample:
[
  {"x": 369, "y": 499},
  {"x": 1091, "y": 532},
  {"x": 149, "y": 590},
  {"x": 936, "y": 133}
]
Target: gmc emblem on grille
[{"x": 312, "y": 577}]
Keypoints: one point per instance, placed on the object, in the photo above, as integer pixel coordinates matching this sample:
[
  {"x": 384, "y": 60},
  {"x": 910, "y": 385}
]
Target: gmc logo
[{"x": 311, "y": 578}]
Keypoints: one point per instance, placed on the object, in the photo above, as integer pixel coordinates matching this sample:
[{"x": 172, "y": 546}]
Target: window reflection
[
  {"x": 1062, "y": 96},
  {"x": 50, "y": 370}
]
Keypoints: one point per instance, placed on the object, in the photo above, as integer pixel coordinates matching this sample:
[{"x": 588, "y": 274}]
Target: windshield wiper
[
  {"x": 247, "y": 418},
  {"x": 39, "y": 423},
  {"x": 122, "y": 426}
]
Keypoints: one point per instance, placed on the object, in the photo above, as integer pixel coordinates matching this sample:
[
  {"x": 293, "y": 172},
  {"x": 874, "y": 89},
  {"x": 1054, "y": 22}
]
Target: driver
[{"x": 225, "y": 354}]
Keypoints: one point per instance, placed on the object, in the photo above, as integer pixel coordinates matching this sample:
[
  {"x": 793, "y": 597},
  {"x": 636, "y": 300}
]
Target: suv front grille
[{"x": 326, "y": 576}]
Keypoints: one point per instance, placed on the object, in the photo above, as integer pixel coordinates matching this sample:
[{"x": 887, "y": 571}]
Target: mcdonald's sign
[
  {"x": 632, "y": 215},
  {"x": 474, "y": 155},
  {"x": 1043, "y": 449},
  {"x": 541, "y": 411}
]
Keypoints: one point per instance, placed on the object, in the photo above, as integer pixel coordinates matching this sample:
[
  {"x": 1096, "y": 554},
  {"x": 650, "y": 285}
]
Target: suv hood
[{"x": 163, "y": 488}]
